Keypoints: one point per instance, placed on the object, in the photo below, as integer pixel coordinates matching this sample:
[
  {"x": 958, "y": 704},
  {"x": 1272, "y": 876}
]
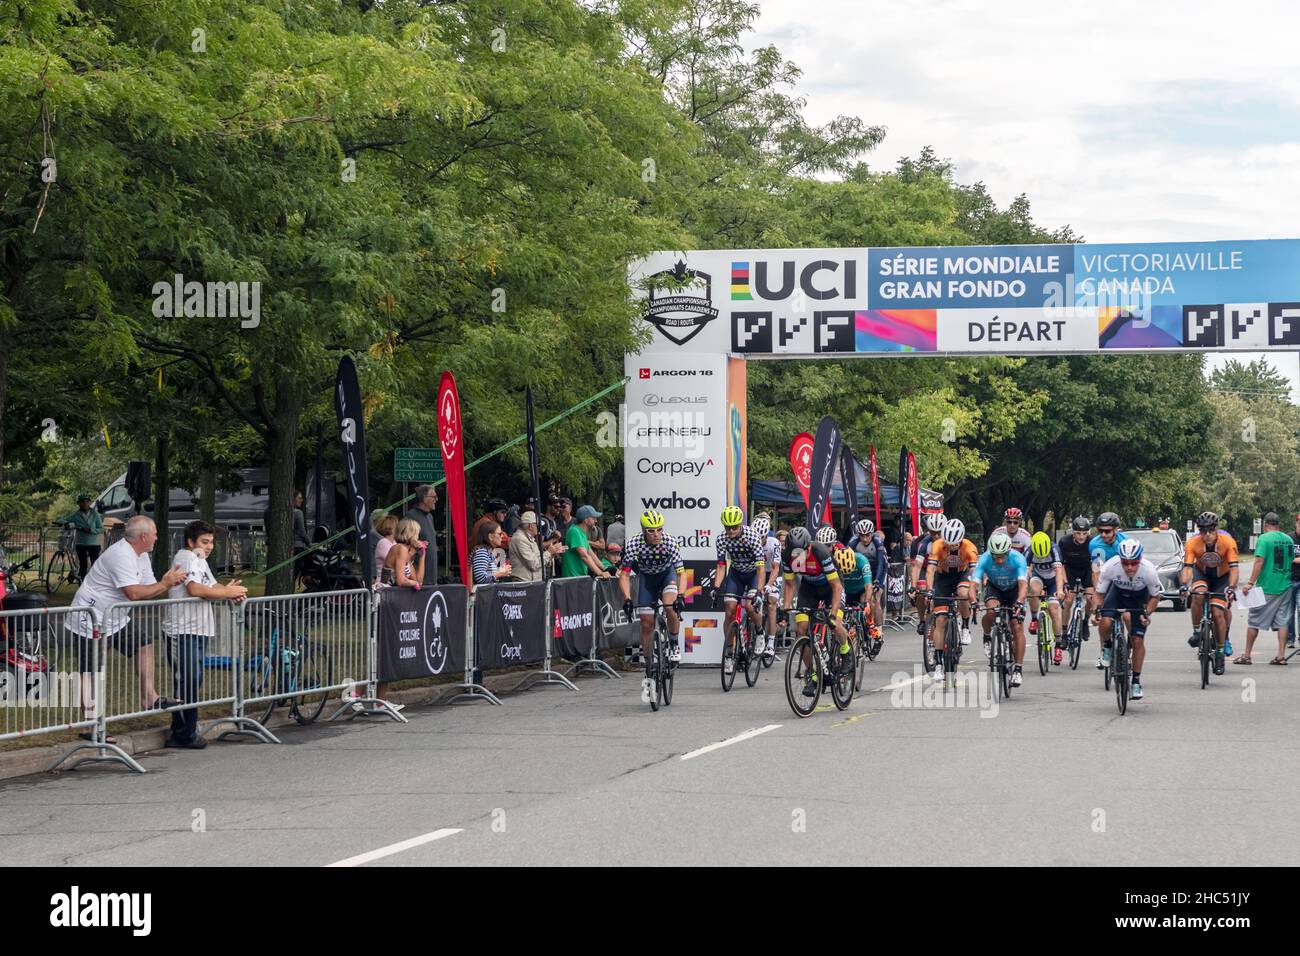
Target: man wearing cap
[
  {"x": 89, "y": 525},
  {"x": 580, "y": 559},
  {"x": 525, "y": 554},
  {"x": 1272, "y": 575}
]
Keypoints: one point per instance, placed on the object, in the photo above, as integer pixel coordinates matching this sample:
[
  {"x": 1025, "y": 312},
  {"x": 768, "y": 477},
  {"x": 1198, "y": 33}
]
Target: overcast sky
[{"x": 1128, "y": 121}]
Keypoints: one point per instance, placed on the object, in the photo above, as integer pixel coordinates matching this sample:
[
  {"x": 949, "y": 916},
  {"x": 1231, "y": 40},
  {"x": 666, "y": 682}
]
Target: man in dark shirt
[{"x": 421, "y": 512}]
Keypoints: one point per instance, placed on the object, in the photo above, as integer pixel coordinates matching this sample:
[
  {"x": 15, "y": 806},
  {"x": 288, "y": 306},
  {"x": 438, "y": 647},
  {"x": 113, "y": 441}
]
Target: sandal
[
  {"x": 1279, "y": 660},
  {"x": 1243, "y": 659}
]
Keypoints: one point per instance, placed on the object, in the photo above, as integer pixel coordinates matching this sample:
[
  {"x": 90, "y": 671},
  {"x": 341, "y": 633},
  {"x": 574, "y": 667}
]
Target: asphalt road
[{"x": 1053, "y": 776}]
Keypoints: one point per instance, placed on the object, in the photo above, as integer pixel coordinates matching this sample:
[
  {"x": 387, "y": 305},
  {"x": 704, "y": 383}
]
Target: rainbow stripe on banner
[
  {"x": 896, "y": 330},
  {"x": 740, "y": 281}
]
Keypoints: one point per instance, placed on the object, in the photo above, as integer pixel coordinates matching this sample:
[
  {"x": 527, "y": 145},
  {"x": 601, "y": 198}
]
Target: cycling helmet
[
  {"x": 999, "y": 542},
  {"x": 846, "y": 560},
  {"x": 865, "y": 527},
  {"x": 1041, "y": 545},
  {"x": 935, "y": 523},
  {"x": 1206, "y": 519},
  {"x": 762, "y": 524},
  {"x": 732, "y": 516},
  {"x": 826, "y": 534},
  {"x": 799, "y": 537},
  {"x": 651, "y": 519},
  {"x": 1013, "y": 514},
  {"x": 1080, "y": 524},
  {"x": 1108, "y": 519},
  {"x": 953, "y": 531},
  {"x": 1130, "y": 549}
]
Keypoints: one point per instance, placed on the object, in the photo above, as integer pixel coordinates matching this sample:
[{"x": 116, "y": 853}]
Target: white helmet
[
  {"x": 826, "y": 534},
  {"x": 865, "y": 527},
  {"x": 762, "y": 525},
  {"x": 935, "y": 523},
  {"x": 953, "y": 531},
  {"x": 999, "y": 542},
  {"x": 1130, "y": 549}
]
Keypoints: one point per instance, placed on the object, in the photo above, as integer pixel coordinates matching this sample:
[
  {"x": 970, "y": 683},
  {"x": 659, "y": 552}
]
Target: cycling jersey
[
  {"x": 1100, "y": 552},
  {"x": 1113, "y": 573},
  {"x": 816, "y": 564},
  {"x": 1077, "y": 560},
  {"x": 1045, "y": 568},
  {"x": 1212, "y": 562},
  {"x": 772, "y": 554},
  {"x": 646, "y": 558},
  {"x": 921, "y": 549},
  {"x": 874, "y": 549},
  {"x": 745, "y": 552},
  {"x": 1021, "y": 541},
  {"x": 950, "y": 560},
  {"x": 1002, "y": 576},
  {"x": 857, "y": 582}
]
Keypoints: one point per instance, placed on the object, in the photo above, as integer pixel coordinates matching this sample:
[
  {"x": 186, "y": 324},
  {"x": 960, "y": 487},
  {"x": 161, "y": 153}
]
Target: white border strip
[
  {"x": 731, "y": 740},
  {"x": 392, "y": 848}
]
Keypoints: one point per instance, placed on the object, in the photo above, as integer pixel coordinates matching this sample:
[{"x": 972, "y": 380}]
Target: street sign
[
  {"x": 417, "y": 464},
  {"x": 1259, "y": 528}
]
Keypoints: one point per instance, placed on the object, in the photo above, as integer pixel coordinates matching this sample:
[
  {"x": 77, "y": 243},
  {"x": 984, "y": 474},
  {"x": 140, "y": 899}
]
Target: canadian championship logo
[{"x": 682, "y": 312}]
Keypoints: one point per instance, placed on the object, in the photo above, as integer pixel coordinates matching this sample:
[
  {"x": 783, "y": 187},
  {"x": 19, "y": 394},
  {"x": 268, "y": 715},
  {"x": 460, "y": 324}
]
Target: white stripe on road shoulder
[
  {"x": 392, "y": 848},
  {"x": 731, "y": 740}
]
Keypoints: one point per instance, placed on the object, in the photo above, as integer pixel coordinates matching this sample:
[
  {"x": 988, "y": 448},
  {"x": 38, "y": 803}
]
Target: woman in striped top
[{"x": 487, "y": 570}]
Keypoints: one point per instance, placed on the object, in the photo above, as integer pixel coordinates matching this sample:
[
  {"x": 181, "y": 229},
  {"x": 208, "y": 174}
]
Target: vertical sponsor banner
[
  {"x": 801, "y": 462},
  {"x": 875, "y": 485},
  {"x": 913, "y": 494},
  {"x": 533, "y": 469},
  {"x": 737, "y": 436},
  {"x": 352, "y": 435},
  {"x": 451, "y": 438},
  {"x": 849, "y": 477},
  {"x": 825, "y": 459},
  {"x": 902, "y": 492},
  {"x": 421, "y": 633},
  {"x": 675, "y": 461}
]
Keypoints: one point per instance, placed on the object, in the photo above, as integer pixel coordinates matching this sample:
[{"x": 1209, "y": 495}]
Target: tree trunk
[
  {"x": 162, "y": 552},
  {"x": 6, "y": 339},
  {"x": 281, "y": 447}
]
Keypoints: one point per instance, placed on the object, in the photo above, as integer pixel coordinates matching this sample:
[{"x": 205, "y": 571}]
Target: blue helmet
[{"x": 1130, "y": 549}]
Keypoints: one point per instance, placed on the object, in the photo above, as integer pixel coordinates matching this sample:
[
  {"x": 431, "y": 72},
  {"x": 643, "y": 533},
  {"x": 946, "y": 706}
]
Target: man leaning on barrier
[
  {"x": 189, "y": 627},
  {"x": 122, "y": 573}
]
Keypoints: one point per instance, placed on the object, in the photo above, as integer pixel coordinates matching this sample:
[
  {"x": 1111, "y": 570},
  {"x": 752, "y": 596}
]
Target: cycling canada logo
[
  {"x": 435, "y": 641},
  {"x": 680, "y": 303}
]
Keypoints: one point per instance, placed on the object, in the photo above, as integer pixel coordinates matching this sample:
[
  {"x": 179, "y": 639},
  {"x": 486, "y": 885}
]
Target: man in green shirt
[
  {"x": 1272, "y": 575},
  {"x": 580, "y": 559},
  {"x": 89, "y": 525}
]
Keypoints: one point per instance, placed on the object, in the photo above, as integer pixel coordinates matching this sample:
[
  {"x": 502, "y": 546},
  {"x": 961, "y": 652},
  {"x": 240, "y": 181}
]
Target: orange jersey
[
  {"x": 1217, "y": 560},
  {"x": 949, "y": 561}
]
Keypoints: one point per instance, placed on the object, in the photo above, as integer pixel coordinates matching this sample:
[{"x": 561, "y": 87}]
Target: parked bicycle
[
  {"x": 295, "y": 669},
  {"x": 62, "y": 568}
]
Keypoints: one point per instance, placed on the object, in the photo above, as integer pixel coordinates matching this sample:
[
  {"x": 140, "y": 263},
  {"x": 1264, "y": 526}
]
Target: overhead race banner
[{"x": 1010, "y": 300}]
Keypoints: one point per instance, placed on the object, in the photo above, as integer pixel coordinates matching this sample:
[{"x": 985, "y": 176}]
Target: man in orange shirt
[
  {"x": 952, "y": 556},
  {"x": 1210, "y": 566}
]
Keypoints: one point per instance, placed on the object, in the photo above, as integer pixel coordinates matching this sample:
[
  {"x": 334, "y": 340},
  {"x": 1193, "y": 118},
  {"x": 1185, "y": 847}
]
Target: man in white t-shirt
[
  {"x": 122, "y": 573},
  {"x": 189, "y": 626}
]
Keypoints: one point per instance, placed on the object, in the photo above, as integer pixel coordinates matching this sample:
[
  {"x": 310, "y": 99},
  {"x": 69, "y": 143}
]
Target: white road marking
[
  {"x": 731, "y": 740},
  {"x": 392, "y": 848}
]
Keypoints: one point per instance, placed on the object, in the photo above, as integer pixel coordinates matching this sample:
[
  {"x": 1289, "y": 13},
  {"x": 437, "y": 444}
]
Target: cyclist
[
  {"x": 1014, "y": 525},
  {"x": 868, "y": 541},
  {"x": 1210, "y": 565},
  {"x": 952, "y": 557},
  {"x": 1104, "y": 546},
  {"x": 819, "y": 583},
  {"x": 1077, "y": 562},
  {"x": 855, "y": 573},
  {"x": 740, "y": 547},
  {"x": 1006, "y": 573},
  {"x": 661, "y": 576},
  {"x": 920, "y": 557},
  {"x": 1128, "y": 583},
  {"x": 1046, "y": 579},
  {"x": 762, "y": 526}
]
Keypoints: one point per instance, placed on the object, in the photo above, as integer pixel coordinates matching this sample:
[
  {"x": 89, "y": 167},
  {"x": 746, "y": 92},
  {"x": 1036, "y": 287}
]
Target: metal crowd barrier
[
  {"x": 231, "y": 551},
  {"x": 21, "y": 541},
  {"x": 593, "y": 660}
]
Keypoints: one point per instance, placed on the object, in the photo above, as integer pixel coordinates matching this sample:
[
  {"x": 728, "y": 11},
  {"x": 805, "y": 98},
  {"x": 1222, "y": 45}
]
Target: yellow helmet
[
  {"x": 651, "y": 519},
  {"x": 732, "y": 516},
  {"x": 846, "y": 560},
  {"x": 1041, "y": 545}
]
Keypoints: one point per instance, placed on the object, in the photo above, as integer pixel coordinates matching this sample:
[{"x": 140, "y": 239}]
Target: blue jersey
[
  {"x": 876, "y": 554},
  {"x": 1002, "y": 576},
  {"x": 1101, "y": 552}
]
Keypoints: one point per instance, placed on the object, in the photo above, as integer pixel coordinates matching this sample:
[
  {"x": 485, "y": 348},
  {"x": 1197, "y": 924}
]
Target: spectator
[
  {"x": 613, "y": 555},
  {"x": 494, "y": 511},
  {"x": 526, "y": 556},
  {"x": 1272, "y": 574},
  {"x": 552, "y": 521},
  {"x": 406, "y": 565},
  {"x": 301, "y": 542},
  {"x": 123, "y": 573},
  {"x": 566, "y": 515},
  {"x": 421, "y": 512},
  {"x": 191, "y": 626},
  {"x": 386, "y": 528},
  {"x": 1295, "y": 574},
  {"x": 89, "y": 525},
  {"x": 616, "y": 533},
  {"x": 488, "y": 567},
  {"x": 579, "y": 559}
]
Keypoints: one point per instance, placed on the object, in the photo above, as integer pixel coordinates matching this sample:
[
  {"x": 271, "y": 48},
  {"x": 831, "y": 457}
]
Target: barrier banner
[
  {"x": 573, "y": 617},
  {"x": 616, "y": 630},
  {"x": 509, "y": 624},
  {"x": 421, "y": 633}
]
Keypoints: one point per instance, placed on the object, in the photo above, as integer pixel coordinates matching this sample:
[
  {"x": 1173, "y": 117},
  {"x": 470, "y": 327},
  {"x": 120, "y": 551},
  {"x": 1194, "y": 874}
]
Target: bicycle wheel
[
  {"x": 658, "y": 663},
  {"x": 1004, "y": 662},
  {"x": 994, "y": 675},
  {"x": 57, "y": 572},
  {"x": 753, "y": 645},
  {"x": 841, "y": 675},
  {"x": 951, "y": 645},
  {"x": 1123, "y": 681},
  {"x": 271, "y": 680},
  {"x": 927, "y": 649},
  {"x": 796, "y": 674},
  {"x": 314, "y": 673},
  {"x": 1207, "y": 650},
  {"x": 730, "y": 655},
  {"x": 1044, "y": 641},
  {"x": 666, "y": 669},
  {"x": 1075, "y": 643},
  {"x": 861, "y": 642}
]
